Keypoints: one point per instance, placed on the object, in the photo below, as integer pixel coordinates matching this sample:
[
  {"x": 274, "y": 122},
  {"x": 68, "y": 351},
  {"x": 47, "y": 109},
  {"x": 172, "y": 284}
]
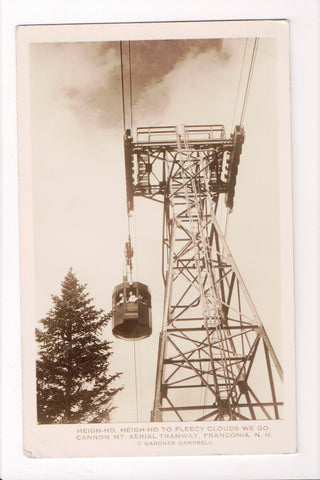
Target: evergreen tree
[{"x": 73, "y": 385}]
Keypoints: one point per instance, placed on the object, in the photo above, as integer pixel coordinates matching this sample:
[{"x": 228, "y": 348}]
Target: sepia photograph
[{"x": 156, "y": 239}]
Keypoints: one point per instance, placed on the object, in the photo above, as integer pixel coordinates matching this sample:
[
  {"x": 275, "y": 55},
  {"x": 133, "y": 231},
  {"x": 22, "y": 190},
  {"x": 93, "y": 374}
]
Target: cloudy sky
[{"x": 79, "y": 204}]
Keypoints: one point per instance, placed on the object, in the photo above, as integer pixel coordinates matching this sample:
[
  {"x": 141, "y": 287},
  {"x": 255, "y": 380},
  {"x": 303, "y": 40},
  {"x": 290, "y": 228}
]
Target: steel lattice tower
[{"x": 215, "y": 360}]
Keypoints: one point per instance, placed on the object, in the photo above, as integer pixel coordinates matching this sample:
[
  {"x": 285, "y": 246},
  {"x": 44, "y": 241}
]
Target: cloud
[
  {"x": 201, "y": 88},
  {"x": 95, "y": 94},
  {"x": 86, "y": 76},
  {"x": 153, "y": 60}
]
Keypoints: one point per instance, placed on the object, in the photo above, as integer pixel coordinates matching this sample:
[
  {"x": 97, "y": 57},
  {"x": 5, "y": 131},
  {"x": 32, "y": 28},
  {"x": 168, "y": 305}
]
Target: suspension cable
[
  {"x": 245, "y": 101},
  {"x": 129, "y": 249},
  {"x": 130, "y": 82},
  {"x": 240, "y": 78},
  {"x": 125, "y": 83},
  {"x": 135, "y": 378},
  {"x": 122, "y": 88}
]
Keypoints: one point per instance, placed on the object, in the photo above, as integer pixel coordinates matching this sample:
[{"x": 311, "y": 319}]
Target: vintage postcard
[{"x": 156, "y": 239}]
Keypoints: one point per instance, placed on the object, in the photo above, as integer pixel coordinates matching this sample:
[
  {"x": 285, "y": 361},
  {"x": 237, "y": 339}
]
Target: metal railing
[{"x": 170, "y": 133}]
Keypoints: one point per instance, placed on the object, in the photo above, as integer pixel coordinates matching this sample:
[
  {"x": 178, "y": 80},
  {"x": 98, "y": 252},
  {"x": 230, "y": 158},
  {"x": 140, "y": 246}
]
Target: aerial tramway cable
[
  {"x": 129, "y": 214},
  {"x": 245, "y": 99},
  {"x": 129, "y": 249},
  {"x": 122, "y": 89},
  {"x": 246, "y": 95},
  {"x": 239, "y": 83},
  {"x": 130, "y": 83},
  {"x": 123, "y": 86}
]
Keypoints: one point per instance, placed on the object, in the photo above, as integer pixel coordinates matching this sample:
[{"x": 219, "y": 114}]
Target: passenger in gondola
[
  {"x": 132, "y": 297},
  {"x": 121, "y": 299}
]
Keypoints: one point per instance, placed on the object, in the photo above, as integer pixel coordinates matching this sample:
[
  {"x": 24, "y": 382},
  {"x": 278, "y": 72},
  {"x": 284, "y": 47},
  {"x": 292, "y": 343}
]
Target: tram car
[{"x": 131, "y": 307}]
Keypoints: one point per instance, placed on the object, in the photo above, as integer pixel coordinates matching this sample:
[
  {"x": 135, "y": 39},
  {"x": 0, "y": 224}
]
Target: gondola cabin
[{"x": 131, "y": 306}]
